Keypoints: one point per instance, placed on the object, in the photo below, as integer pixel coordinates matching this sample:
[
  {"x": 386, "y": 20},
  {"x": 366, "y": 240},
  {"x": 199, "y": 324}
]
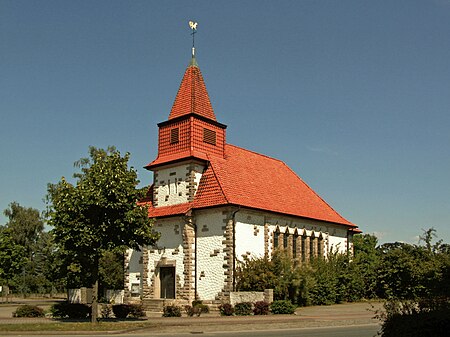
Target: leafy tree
[
  {"x": 12, "y": 257},
  {"x": 111, "y": 270},
  {"x": 365, "y": 263},
  {"x": 25, "y": 225},
  {"x": 26, "y": 229},
  {"x": 99, "y": 213}
]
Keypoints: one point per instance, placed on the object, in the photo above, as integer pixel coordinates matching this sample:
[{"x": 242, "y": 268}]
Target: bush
[
  {"x": 70, "y": 310},
  {"x": 171, "y": 311},
  {"x": 282, "y": 307},
  {"x": 136, "y": 310},
  {"x": 261, "y": 308},
  {"x": 226, "y": 309},
  {"x": 411, "y": 318},
  {"x": 197, "y": 309},
  {"x": 243, "y": 309},
  {"x": 28, "y": 311},
  {"x": 121, "y": 310},
  {"x": 106, "y": 310}
]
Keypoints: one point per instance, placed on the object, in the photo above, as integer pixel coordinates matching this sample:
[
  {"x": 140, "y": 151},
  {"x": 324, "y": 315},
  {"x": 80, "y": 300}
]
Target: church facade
[{"x": 216, "y": 204}]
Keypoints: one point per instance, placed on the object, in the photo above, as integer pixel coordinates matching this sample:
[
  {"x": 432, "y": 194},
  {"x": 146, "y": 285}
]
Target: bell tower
[{"x": 185, "y": 141}]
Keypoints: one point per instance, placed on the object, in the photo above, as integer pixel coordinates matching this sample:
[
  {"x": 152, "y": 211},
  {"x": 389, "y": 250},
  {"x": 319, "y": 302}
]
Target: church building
[{"x": 216, "y": 204}]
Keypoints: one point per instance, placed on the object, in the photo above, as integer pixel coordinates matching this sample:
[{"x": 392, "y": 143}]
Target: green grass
[{"x": 79, "y": 326}]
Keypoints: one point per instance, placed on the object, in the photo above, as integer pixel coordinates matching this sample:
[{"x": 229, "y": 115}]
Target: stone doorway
[{"x": 167, "y": 282}]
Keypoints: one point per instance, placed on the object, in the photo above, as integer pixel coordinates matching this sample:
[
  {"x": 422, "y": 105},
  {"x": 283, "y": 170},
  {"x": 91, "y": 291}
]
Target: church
[{"x": 215, "y": 204}]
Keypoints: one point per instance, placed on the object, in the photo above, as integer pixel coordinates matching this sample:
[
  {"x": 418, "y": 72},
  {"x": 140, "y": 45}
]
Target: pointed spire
[{"x": 192, "y": 96}]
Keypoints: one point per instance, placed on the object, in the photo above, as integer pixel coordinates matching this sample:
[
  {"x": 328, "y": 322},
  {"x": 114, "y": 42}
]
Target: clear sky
[{"x": 353, "y": 95}]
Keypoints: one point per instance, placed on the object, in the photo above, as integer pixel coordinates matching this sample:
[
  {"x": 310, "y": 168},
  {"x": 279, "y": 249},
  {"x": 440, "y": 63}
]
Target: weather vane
[{"x": 193, "y": 26}]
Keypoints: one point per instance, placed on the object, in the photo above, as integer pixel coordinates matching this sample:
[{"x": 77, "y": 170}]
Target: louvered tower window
[
  {"x": 209, "y": 136},
  {"x": 174, "y": 135}
]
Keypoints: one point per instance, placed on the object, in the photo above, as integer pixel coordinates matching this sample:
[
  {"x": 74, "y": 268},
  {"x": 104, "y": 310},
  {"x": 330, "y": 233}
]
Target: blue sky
[{"x": 353, "y": 95}]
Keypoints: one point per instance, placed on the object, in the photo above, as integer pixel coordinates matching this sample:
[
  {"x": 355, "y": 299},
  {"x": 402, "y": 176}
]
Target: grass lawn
[{"x": 76, "y": 326}]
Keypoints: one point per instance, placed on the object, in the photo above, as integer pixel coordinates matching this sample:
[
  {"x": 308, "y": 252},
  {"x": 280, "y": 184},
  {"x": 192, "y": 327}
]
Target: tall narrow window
[
  {"x": 276, "y": 236},
  {"x": 209, "y": 136},
  {"x": 303, "y": 248},
  {"x": 286, "y": 240},
  {"x": 294, "y": 246},
  {"x": 174, "y": 135}
]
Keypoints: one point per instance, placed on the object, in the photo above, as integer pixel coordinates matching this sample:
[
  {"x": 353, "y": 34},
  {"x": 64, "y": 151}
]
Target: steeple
[
  {"x": 192, "y": 133},
  {"x": 192, "y": 96}
]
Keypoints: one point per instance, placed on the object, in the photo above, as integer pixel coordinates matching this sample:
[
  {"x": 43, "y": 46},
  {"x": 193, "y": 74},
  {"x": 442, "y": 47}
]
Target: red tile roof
[
  {"x": 252, "y": 180},
  {"x": 192, "y": 96}
]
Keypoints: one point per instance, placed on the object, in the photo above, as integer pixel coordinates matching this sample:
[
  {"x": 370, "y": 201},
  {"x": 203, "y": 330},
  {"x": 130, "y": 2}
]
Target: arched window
[
  {"x": 276, "y": 237},
  {"x": 294, "y": 245},
  {"x": 286, "y": 240}
]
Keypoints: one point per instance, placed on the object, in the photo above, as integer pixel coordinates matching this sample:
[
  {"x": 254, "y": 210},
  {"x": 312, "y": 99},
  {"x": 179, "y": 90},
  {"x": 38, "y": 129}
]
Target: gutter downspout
[
  {"x": 233, "y": 218},
  {"x": 195, "y": 261}
]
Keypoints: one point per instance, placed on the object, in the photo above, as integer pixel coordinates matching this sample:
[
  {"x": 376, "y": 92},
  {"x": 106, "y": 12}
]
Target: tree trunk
[{"x": 94, "y": 312}]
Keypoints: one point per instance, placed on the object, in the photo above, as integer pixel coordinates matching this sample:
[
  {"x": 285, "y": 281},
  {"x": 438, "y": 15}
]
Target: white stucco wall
[
  {"x": 169, "y": 246},
  {"x": 249, "y": 235},
  {"x": 172, "y": 184},
  {"x": 210, "y": 254},
  {"x": 135, "y": 267}
]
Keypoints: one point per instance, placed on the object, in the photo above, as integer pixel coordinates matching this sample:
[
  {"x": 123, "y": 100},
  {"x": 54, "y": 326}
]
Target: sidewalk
[{"x": 333, "y": 315}]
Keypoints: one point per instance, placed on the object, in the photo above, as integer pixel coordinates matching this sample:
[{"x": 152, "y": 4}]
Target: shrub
[
  {"x": 197, "y": 308},
  {"x": 282, "y": 307},
  {"x": 226, "y": 309},
  {"x": 121, "y": 310},
  {"x": 28, "y": 311},
  {"x": 136, "y": 310},
  {"x": 411, "y": 319},
  {"x": 171, "y": 311},
  {"x": 70, "y": 310},
  {"x": 243, "y": 309},
  {"x": 106, "y": 311},
  {"x": 261, "y": 308}
]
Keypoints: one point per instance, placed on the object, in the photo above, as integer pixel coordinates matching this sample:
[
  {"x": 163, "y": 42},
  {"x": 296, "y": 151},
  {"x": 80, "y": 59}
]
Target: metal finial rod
[{"x": 193, "y": 26}]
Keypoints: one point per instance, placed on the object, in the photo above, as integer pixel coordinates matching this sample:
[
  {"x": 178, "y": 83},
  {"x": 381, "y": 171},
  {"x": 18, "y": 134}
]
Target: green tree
[
  {"x": 365, "y": 263},
  {"x": 12, "y": 257},
  {"x": 111, "y": 270},
  {"x": 99, "y": 213},
  {"x": 25, "y": 225},
  {"x": 26, "y": 228}
]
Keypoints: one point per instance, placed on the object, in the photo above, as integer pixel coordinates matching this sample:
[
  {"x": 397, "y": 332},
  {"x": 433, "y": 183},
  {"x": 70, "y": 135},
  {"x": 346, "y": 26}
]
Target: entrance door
[{"x": 167, "y": 278}]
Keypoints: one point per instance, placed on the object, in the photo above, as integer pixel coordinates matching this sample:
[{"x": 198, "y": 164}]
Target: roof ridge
[
  {"x": 315, "y": 193},
  {"x": 217, "y": 179},
  {"x": 257, "y": 153}
]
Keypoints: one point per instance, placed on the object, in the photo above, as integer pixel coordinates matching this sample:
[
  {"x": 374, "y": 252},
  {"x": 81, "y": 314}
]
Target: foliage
[
  {"x": 282, "y": 307},
  {"x": 12, "y": 257},
  {"x": 416, "y": 318},
  {"x": 136, "y": 310},
  {"x": 28, "y": 311},
  {"x": 111, "y": 270},
  {"x": 261, "y": 308},
  {"x": 243, "y": 309},
  {"x": 197, "y": 309},
  {"x": 99, "y": 213},
  {"x": 125, "y": 310},
  {"x": 39, "y": 262},
  {"x": 390, "y": 271},
  {"x": 226, "y": 309},
  {"x": 25, "y": 224},
  {"x": 106, "y": 310},
  {"x": 70, "y": 310},
  {"x": 121, "y": 310},
  {"x": 171, "y": 311}
]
